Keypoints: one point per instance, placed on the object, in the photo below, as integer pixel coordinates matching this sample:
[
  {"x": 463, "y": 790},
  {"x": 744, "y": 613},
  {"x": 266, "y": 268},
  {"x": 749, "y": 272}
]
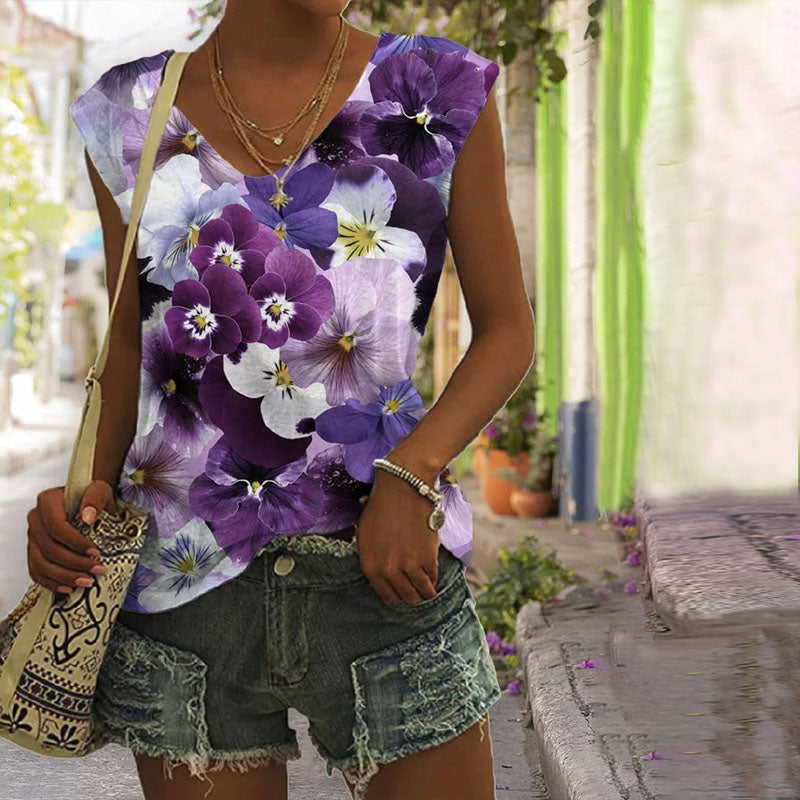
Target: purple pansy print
[
  {"x": 236, "y": 239},
  {"x": 370, "y": 431},
  {"x": 281, "y": 318},
  {"x": 300, "y": 222},
  {"x": 342, "y": 496},
  {"x": 287, "y": 409},
  {"x": 186, "y": 563},
  {"x": 168, "y": 395},
  {"x": 366, "y": 342},
  {"x": 294, "y": 300},
  {"x": 248, "y": 505},
  {"x": 339, "y": 143},
  {"x": 426, "y": 103},
  {"x": 241, "y": 418},
  {"x": 178, "y": 205},
  {"x": 362, "y": 198},
  {"x": 212, "y": 314},
  {"x": 156, "y": 477}
]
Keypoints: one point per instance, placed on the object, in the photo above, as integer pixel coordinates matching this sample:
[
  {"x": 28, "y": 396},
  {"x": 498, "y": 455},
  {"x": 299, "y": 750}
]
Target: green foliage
[
  {"x": 541, "y": 452},
  {"x": 524, "y": 574},
  {"x": 513, "y": 427},
  {"x": 422, "y": 377}
]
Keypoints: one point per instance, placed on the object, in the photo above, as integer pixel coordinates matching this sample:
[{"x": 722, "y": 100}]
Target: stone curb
[
  {"x": 15, "y": 461},
  {"x": 572, "y": 760},
  {"x": 723, "y": 559}
]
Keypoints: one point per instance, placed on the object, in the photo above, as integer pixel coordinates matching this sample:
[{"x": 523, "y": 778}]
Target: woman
[{"x": 260, "y": 363}]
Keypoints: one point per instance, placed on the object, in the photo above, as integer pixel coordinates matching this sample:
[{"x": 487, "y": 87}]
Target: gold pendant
[
  {"x": 279, "y": 199},
  {"x": 277, "y": 140}
]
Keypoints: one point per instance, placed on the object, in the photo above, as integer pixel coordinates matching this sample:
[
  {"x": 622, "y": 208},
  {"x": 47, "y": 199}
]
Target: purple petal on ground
[
  {"x": 633, "y": 558},
  {"x": 630, "y": 587},
  {"x": 190, "y": 292},
  {"x": 792, "y": 536},
  {"x": 513, "y": 687},
  {"x": 226, "y": 287}
]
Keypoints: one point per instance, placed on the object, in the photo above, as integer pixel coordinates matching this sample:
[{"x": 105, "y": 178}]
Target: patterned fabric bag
[{"x": 52, "y": 644}]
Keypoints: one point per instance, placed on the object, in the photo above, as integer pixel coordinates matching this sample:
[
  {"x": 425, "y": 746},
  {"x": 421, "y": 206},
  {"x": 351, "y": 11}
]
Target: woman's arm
[
  {"x": 487, "y": 261},
  {"x": 397, "y": 549},
  {"x": 120, "y": 379}
]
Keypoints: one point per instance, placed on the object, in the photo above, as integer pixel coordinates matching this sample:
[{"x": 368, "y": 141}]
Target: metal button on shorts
[{"x": 284, "y": 564}]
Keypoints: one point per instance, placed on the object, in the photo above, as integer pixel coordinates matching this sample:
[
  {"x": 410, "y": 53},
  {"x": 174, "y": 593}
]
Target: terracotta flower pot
[
  {"x": 497, "y": 490},
  {"x": 531, "y": 505}
]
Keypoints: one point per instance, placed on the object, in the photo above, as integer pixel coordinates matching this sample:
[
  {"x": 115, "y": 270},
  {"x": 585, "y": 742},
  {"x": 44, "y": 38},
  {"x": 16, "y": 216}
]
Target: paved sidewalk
[{"x": 40, "y": 430}]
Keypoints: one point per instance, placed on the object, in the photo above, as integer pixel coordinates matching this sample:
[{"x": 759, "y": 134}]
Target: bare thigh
[
  {"x": 460, "y": 769},
  {"x": 268, "y": 782}
]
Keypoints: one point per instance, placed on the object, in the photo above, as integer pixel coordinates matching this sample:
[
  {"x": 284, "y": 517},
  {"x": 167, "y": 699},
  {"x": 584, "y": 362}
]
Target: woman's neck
[{"x": 274, "y": 30}]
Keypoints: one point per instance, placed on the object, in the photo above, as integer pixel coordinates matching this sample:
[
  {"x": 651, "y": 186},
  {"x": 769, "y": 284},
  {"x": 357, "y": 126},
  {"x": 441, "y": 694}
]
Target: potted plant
[
  {"x": 509, "y": 436},
  {"x": 532, "y": 496}
]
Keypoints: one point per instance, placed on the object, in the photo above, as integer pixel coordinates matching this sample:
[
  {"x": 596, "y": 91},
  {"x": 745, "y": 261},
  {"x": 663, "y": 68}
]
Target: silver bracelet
[{"x": 436, "y": 518}]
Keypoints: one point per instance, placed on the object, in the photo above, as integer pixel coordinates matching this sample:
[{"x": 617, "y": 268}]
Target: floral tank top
[{"x": 278, "y": 339}]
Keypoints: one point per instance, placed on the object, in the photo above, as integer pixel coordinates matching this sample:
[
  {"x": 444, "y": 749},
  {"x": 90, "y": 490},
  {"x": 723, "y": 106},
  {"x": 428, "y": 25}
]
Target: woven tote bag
[{"x": 51, "y": 644}]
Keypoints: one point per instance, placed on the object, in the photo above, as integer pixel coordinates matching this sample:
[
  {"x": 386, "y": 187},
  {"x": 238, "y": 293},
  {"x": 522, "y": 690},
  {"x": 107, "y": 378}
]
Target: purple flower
[
  {"x": 212, "y": 314},
  {"x": 633, "y": 558},
  {"x": 247, "y": 505},
  {"x": 425, "y": 104},
  {"x": 513, "y": 687},
  {"x": 342, "y": 493},
  {"x": 156, "y": 477},
  {"x": 491, "y": 431},
  {"x": 295, "y": 217},
  {"x": 652, "y": 755},
  {"x": 508, "y": 649},
  {"x": 235, "y": 239},
  {"x": 630, "y": 587},
  {"x": 529, "y": 420},
  {"x": 339, "y": 144},
  {"x": 366, "y": 342},
  {"x": 626, "y": 520},
  {"x": 370, "y": 431},
  {"x": 293, "y": 300},
  {"x": 586, "y": 664},
  {"x": 169, "y": 393},
  {"x": 241, "y": 419},
  {"x": 493, "y": 640}
]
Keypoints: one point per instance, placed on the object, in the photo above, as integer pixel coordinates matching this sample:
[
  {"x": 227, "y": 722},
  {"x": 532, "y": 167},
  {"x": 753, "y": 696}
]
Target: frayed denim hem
[{"x": 361, "y": 768}]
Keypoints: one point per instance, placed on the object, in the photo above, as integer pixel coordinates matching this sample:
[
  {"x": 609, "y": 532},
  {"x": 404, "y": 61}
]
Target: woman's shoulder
[{"x": 126, "y": 85}]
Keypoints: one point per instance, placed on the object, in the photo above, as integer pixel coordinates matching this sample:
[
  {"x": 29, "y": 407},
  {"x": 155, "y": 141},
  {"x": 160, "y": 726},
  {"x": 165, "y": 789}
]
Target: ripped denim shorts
[{"x": 208, "y": 684}]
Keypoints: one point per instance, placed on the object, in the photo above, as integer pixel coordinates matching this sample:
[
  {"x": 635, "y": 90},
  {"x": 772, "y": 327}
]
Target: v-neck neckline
[{"x": 309, "y": 146}]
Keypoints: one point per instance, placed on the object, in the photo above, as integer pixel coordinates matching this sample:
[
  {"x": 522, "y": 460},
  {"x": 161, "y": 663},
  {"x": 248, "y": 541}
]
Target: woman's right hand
[{"x": 60, "y": 557}]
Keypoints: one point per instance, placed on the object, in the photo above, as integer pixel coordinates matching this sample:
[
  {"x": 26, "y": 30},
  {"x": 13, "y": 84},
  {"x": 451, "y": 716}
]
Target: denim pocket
[{"x": 451, "y": 574}]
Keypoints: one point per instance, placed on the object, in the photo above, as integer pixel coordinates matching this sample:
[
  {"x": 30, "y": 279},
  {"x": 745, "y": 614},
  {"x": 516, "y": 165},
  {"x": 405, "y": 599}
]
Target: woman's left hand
[{"x": 397, "y": 550}]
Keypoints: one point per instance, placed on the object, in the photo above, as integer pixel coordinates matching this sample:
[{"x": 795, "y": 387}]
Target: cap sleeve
[{"x": 101, "y": 114}]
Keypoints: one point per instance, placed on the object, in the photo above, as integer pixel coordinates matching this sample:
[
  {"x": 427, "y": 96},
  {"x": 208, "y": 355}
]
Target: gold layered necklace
[{"x": 243, "y": 126}]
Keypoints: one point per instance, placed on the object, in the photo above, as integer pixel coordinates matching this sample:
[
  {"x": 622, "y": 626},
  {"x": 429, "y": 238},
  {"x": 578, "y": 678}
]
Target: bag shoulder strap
[{"x": 81, "y": 466}]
